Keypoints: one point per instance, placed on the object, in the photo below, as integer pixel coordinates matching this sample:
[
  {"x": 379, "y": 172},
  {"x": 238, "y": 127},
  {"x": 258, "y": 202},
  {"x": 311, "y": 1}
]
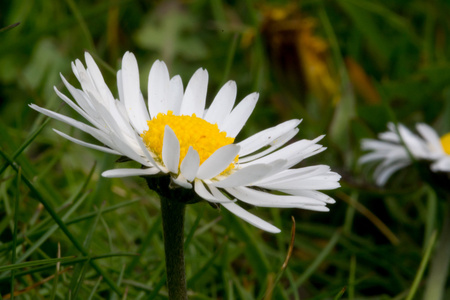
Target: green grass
[{"x": 68, "y": 233}]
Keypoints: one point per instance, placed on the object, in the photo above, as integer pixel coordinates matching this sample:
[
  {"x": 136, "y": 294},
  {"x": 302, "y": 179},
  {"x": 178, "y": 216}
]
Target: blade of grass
[
  {"x": 351, "y": 279},
  {"x": 51, "y": 230},
  {"x": 437, "y": 278},
  {"x": 16, "y": 221},
  {"x": 268, "y": 293},
  {"x": 372, "y": 217},
  {"x": 158, "y": 287},
  {"x": 9, "y": 27},
  {"x": 94, "y": 289},
  {"x": 340, "y": 294},
  {"x": 193, "y": 228},
  {"x": 61, "y": 224},
  {"x": 25, "y": 144},
  {"x": 253, "y": 252},
  {"x": 422, "y": 266},
  {"x": 78, "y": 278},
  {"x": 80, "y": 269},
  {"x": 55, "y": 282},
  {"x": 119, "y": 282},
  {"x": 151, "y": 232},
  {"x": 84, "y": 28},
  {"x": 49, "y": 263},
  {"x": 431, "y": 209},
  {"x": 84, "y": 217},
  {"x": 230, "y": 58},
  {"x": 319, "y": 259},
  {"x": 208, "y": 264}
]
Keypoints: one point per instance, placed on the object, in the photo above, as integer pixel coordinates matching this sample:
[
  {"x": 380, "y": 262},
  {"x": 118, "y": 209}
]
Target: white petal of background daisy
[
  {"x": 174, "y": 134},
  {"x": 390, "y": 151}
]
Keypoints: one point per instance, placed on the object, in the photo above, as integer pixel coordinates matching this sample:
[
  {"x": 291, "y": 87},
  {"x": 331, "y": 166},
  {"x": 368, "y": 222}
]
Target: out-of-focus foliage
[{"x": 345, "y": 67}]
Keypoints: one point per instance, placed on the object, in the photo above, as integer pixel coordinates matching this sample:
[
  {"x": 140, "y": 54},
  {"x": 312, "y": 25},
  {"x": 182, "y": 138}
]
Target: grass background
[{"x": 345, "y": 67}]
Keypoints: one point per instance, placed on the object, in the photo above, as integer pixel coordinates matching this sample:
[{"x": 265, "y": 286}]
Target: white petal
[
  {"x": 190, "y": 164},
  {"x": 244, "y": 176},
  {"x": 239, "y": 116},
  {"x": 89, "y": 145},
  {"x": 102, "y": 137},
  {"x": 195, "y": 95},
  {"x": 250, "y": 218},
  {"x": 201, "y": 190},
  {"x": 175, "y": 95},
  {"x": 97, "y": 78},
  {"x": 218, "y": 161},
  {"x": 383, "y": 173},
  {"x": 80, "y": 98},
  {"x": 297, "y": 174},
  {"x": 321, "y": 182},
  {"x": 120, "y": 88},
  {"x": 134, "y": 106},
  {"x": 118, "y": 173},
  {"x": 441, "y": 165},
  {"x": 158, "y": 88},
  {"x": 171, "y": 150},
  {"x": 222, "y": 104},
  {"x": 181, "y": 181},
  {"x": 274, "y": 145},
  {"x": 148, "y": 155},
  {"x": 310, "y": 194},
  {"x": 265, "y": 137},
  {"x": 77, "y": 108},
  {"x": 293, "y": 153},
  {"x": 430, "y": 135},
  {"x": 263, "y": 199}
]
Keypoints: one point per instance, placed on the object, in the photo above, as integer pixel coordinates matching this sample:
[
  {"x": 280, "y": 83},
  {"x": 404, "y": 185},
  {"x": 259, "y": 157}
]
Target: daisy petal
[
  {"x": 171, "y": 150},
  {"x": 82, "y": 143},
  {"x": 250, "y": 218},
  {"x": 265, "y": 137},
  {"x": 264, "y": 199},
  {"x": 244, "y": 176},
  {"x": 441, "y": 165},
  {"x": 175, "y": 95},
  {"x": 310, "y": 194},
  {"x": 430, "y": 136},
  {"x": 201, "y": 190},
  {"x": 218, "y": 161},
  {"x": 222, "y": 104},
  {"x": 158, "y": 85},
  {"x": 181, "y": 181},
  {"x": 97, "y": 78},
  {"x": 118, "y": 173},
  {"x": 102, "y": 137},
  {"x": 190, "y": 164},
  {"x": 240, "y": 114},
  {"x": 195, "y": 95},
  {"x": 132, "y": 94},
  {"x": 274, "y": 145}
]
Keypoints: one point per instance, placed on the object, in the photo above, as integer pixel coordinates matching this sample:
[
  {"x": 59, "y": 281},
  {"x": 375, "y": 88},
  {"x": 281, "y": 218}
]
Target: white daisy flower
[
  {"x": 175, "y": 135},
  {"x": 390, "y": 150}
]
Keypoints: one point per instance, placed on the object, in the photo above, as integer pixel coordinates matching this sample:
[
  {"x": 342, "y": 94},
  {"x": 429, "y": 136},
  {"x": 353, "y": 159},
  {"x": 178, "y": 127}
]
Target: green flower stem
[
  {"x": 173, "y": 227},
  {"x": 440, "y": 263}
]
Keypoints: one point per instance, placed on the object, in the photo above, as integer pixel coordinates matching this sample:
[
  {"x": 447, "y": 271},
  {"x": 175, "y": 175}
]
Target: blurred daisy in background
[
  {"x": 392, "y": 147},
  {"x": 174, "y": 135}
]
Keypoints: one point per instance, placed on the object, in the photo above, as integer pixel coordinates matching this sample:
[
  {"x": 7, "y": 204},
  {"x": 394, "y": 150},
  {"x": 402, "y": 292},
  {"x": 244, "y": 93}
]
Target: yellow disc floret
[
  {"x": 445, "y": 141},
  {"x": 203, "y": 136}
]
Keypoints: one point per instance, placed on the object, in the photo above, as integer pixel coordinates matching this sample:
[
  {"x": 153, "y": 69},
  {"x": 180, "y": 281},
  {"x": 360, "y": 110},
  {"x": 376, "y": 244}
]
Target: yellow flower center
[
  {"x": 445, "y": 141},
  {"x": 203, "y": 136}
]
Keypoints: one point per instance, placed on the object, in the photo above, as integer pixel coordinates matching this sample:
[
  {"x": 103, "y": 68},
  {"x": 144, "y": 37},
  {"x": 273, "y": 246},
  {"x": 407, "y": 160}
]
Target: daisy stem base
[{"x": 173, "y": 227}]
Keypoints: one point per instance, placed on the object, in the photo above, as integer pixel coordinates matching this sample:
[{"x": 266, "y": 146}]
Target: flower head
[
  {"x": 393, "y": 146},
  {"x": 175, "y": 135}
]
